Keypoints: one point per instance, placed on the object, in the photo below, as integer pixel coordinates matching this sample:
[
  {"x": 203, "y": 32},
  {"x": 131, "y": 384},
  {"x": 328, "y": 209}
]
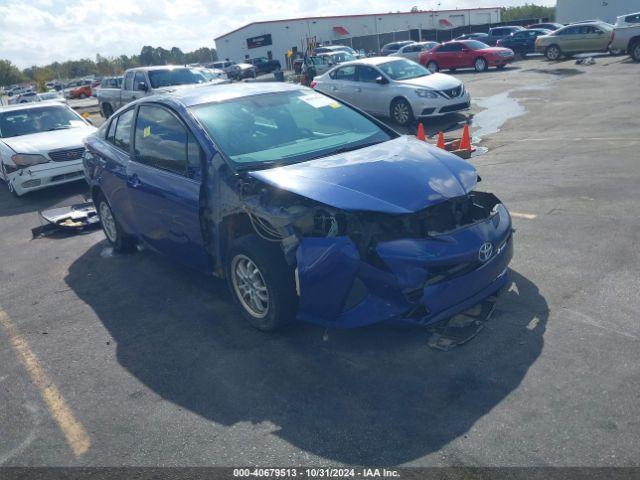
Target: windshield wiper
[
  {"x": 59, "y": 127},
  {"x": 348, "y": 148}
]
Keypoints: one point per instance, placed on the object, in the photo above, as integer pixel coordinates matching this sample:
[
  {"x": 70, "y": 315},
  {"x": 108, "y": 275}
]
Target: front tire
[
  {"x": 634, "y": 51},
  {"x": 480, "y": 64},
  {"x": 432, "y": 66},
  {"x": 553, "y": 53},
  {"x": 107, "y": 110},
  {"x": 5, "y": 177},
  {"x": 401, "y": 112},
  {"x": 261, "y": 283},
  {"x": 120, "y": 241}
]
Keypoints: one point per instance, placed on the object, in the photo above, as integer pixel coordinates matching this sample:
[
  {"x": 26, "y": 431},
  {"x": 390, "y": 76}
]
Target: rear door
[
  {"x": 126, "y": 93},
  {"x": 164, "y": 186},
  {"x": 113, "y": 163},
  {"x": 342, "y": 83},
  {"x": 570, "y": 39},
  {"x": 140, "y": 85}
]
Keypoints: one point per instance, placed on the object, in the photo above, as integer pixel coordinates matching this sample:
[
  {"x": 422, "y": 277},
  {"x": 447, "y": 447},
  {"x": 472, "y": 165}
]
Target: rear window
[{"x": 175, "y": 76}]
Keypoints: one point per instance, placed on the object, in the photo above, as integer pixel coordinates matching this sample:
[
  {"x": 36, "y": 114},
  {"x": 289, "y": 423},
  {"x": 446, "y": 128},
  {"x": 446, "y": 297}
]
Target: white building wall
[
  {"x": 286, "y": 34},
  {"x": 607, "y": 10}
]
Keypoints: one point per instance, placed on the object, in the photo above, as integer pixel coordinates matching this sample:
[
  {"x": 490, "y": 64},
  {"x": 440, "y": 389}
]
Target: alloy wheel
[
  {"x": 249, "y": 286},
  {"x": 108, "y": 222},
  {"x": 401, "y": 113},
  {"x": 480, "y": 64},
  {"x": 635, "y": 53},
  {"x": 553, "y": 53}
]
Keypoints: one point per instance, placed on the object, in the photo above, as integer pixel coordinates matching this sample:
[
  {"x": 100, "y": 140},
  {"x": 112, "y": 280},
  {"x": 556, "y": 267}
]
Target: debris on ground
[
  {"x": 585, "y": 61},
  {"x": 78, "y": 217},
  {"x": 461, "y": 328}
]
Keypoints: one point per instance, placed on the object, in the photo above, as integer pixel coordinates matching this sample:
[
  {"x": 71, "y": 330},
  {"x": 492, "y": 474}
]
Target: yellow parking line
[
  {"x": 527, "y": 216},
  {"x": 74, "y": 432}
]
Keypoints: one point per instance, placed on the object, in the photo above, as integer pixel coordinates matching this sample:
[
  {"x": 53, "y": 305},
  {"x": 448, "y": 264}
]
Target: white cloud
[{"x": 38, "y": 32}]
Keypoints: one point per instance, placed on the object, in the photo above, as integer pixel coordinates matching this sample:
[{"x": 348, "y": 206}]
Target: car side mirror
[
  {"x": 142, "y": 86},
  {"x": 381, "y": 80},
  {"x": 599, "y": 32},
  {"x": 465, "y": 50}
]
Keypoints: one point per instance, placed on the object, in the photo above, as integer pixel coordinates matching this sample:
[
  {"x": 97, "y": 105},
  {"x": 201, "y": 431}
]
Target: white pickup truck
[
  {"x": 626, "y": 35},
  {"x": 142, "y": 81}
]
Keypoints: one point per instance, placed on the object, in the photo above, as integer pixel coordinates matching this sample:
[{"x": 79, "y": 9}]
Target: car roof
[
  {"x": 200, "y": 94},
  {"x": 157, "y": 67},
  {"x": 373, "y": 61},
  {"x": 29, "y": 106}
]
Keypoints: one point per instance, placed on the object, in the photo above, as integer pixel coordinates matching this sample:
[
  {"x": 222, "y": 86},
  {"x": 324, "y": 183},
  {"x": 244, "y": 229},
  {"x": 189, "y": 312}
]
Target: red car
[
  {"x": 83, "y": 91},
  {"x": 466, "y": 54}
]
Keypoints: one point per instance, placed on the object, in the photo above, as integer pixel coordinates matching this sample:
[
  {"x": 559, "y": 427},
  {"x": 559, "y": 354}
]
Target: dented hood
[{"x": 399, "y": 176}]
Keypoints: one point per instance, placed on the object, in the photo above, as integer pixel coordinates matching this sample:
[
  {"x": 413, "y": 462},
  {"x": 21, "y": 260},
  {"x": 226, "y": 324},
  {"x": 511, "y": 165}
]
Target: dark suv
[
  {"x": 498, "y": 33},
  {"x": 264, "y": 65}
]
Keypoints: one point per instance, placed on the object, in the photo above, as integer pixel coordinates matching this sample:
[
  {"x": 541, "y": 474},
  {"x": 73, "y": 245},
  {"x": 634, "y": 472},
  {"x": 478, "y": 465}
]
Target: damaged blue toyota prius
[{"x": 311, "y": 209}]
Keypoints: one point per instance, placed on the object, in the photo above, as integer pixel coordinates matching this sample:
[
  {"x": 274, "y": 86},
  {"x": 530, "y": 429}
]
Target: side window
[
  {"x": 122, "y": 135},
  {"x": 367, "y": 74},
  {"x": 139, "y": 78},
  {"x": 112, "y": 129},
  {"x": 193, "y": 155},
  {"x": 456, "y": 47},
  {"x": 346, "y": 73},
  {"x": 161, "y": 140},
  {"x": 444, "y": 48},
  {"x": 632, "y": 18},
  {"x": 128, "y": 81}
]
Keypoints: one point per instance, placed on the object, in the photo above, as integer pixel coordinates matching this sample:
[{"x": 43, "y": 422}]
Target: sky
[{"x": 38, "y": 32}]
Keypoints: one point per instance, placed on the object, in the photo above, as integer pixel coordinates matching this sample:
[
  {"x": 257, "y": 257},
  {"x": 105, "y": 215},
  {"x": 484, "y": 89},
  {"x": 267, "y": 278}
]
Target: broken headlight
[{"x": 27, "y": 160}]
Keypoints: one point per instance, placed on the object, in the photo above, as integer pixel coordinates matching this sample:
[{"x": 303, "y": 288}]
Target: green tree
[
  {"x": 10, "y": 74},
  {"x": 526, "y": 12}
]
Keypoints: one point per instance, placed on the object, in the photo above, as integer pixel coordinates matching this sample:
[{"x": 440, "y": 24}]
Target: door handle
[
  {"x": 334, "y": 88},
  {"x": 358, "y": 89},
  {"x": 133, "y": 181}
]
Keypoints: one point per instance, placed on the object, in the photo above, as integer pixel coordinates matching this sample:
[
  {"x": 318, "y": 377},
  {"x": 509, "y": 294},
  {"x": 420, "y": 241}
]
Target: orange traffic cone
[
  {"x": 441, "y": 141},
  {"x": 465, "y": 143},
  {"x": 420, "y": 134}
]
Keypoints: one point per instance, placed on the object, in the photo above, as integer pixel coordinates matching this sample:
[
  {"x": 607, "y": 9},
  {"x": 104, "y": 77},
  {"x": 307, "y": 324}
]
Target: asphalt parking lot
[{"x": 111, "y": 360}]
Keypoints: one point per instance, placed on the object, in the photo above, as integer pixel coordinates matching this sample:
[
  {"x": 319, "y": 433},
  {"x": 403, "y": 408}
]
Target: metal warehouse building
[
  {"x": 607, "y": 10},
  {"x": 368, "y": 32}
]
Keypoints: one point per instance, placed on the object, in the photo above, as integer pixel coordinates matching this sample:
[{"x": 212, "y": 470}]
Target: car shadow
[
  {"x": 55, "y": 196},
  {"x": 375, "y": 395}
]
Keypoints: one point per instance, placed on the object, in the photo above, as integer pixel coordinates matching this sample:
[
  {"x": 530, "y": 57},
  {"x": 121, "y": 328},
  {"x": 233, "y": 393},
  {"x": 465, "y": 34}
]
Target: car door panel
[
  {"x": 165, "y": 202},
  {"x": 369, "y": 95}
]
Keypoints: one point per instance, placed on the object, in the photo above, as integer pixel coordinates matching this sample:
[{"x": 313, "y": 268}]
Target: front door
[
  {"x": 370, "y": 95},
  {"x": 164, "y": 188}
]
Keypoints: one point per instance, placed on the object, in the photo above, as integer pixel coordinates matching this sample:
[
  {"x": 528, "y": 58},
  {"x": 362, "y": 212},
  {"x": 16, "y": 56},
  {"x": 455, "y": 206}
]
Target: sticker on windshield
[
  {"x": 319, "y": 101},
  {"x": 146, "y": 132}
]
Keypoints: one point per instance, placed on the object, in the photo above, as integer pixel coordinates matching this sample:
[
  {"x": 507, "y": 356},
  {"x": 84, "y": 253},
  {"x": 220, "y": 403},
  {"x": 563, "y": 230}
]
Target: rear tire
[
  {"x": 107, "y": 110},
  {"x": 432, "y": 66},
  {"x": 401, "y": 112},
  {"x": 500, "y": 67},
  {"x": 553, "y": 53},
  {"x": 480, "y": 64},
  {"x": 117, "y": 238},
  {"x": 82, "y": 96},
  {"x": 261, "y": 283},
  {"x": 634, "y": 51},
  {"x": 452, "y": 69}
]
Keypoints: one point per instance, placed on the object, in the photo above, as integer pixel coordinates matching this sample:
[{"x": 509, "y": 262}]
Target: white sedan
[
  {"x": 413, "y": 50},
  {"x": 41, "y": 145},
  {"x": 394, "y": 87}
]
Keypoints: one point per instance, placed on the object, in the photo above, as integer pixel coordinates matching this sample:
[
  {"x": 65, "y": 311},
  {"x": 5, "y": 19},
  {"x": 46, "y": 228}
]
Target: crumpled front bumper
[
  {"x": 45, "y": 175},
  {"x": 419, "y": 281}
]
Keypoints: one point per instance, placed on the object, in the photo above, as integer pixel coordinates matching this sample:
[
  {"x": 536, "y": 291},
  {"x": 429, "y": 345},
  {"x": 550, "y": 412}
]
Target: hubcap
[
  {"x": 432, "y": 67},
  {"x": 401, "y": 112},
  {"x": 479, "y": 64},
  {"x": 249, "y": 286},
  {"x": 636, "y": 52},
  {"x": 108, "y": 222},
  {"x": 553, "y": 53}
]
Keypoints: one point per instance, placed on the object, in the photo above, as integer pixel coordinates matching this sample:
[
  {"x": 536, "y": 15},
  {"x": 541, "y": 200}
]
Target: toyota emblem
[{"x": 485, "y": 252}]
